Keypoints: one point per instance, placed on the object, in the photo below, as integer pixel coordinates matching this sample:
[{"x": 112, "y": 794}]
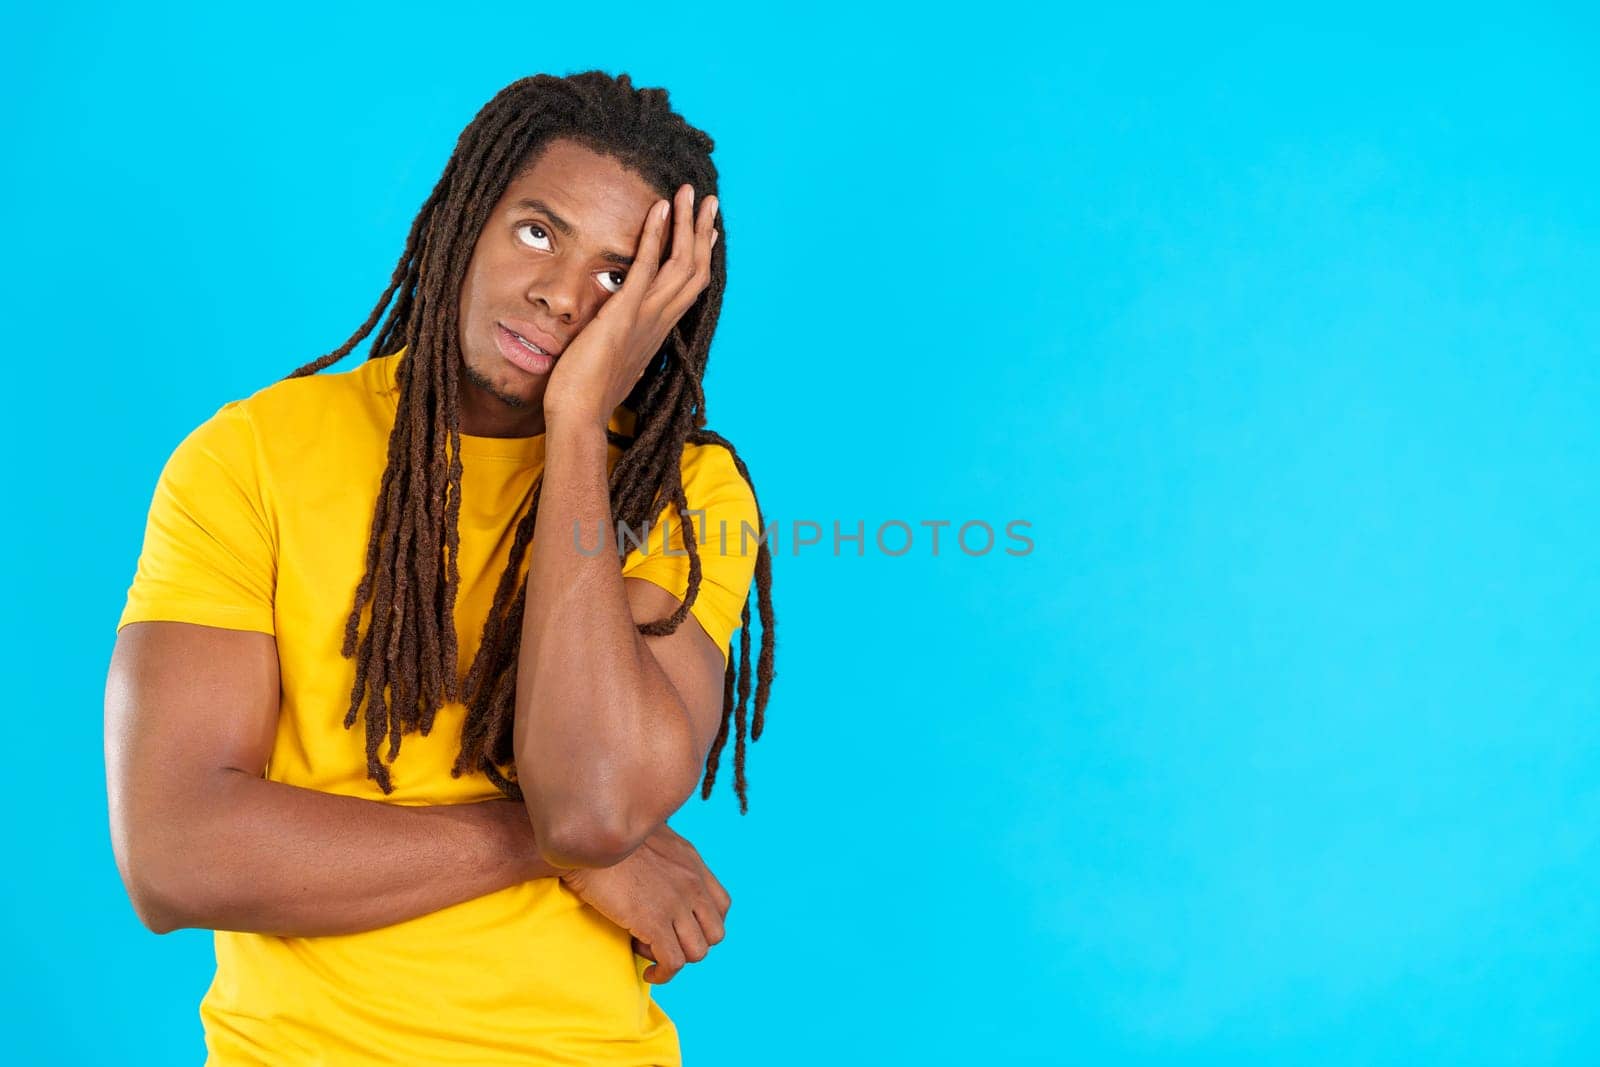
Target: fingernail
[{"x": 662, "y": 209}]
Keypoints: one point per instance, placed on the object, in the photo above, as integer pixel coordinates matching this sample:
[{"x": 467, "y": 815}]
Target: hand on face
[{"x": 607, "y": 358}]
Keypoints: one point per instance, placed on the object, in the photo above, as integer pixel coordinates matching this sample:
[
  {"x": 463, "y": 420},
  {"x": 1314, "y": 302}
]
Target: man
[{"x": 505, "y": 889}]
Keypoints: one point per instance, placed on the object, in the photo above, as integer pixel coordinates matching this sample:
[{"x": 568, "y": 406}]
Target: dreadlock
[{"x": 406, "y": 660}]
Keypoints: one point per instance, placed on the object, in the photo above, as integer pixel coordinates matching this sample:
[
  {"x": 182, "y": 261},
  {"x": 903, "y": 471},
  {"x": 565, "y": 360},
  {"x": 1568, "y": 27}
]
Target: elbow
[
  {"x": 585, "y": 841},
  {"x": 582, "y": 829},
  {"x": 578, "y": 825},
  {"x": 156, "y": 900},
  {"x": 160, "y": 873},
  {"x": 155, "y": 913}
]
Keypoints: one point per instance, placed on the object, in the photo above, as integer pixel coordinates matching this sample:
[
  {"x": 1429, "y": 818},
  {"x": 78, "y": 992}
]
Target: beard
[{"x": 482, "y": 381}]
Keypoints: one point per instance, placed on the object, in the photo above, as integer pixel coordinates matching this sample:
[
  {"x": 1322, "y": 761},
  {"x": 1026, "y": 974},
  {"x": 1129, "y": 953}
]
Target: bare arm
[
  {"x": 607, "y": 746},
  {"x": 201, "y": 840},
  {"x": 612, "y": 728}
]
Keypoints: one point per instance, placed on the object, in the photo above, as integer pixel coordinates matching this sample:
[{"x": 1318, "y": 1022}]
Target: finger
[
  {"x": 676, "y": 271},
  {"x": 719, "y": 895},
  {"x": 696, "y": 274},
  {"x": 706, "y": 232},
  {"x": 711, "y": 925},
  {"x": 666, "y": 970},
  {"x": 705, "y": 235},
  {"x": 647, "y": 257},
  {"x": 668, "y": 956},
  {"x": 642, "y": 949},
  {"x": 691, "y": 937},
  {"x": 683, "y": 230}
]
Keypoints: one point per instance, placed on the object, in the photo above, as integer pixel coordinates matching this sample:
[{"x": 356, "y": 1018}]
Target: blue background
[{"x": 1281, "y": 744}]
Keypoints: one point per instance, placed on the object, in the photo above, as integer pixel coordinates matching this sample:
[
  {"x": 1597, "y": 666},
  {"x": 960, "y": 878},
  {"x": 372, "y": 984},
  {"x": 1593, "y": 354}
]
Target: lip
[
  {"x": 518, "y": 354},
  {"x": 529, "y": 332}
]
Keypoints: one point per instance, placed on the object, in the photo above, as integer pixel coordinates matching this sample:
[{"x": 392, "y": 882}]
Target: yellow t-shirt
[{"x": 260, "y": 521}]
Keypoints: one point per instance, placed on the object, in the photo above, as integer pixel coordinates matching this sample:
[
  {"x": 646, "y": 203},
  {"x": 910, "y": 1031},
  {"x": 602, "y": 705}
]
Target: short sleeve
[
  {"x": 209, "y": 555},
  {"x": 727, "y": 530}
]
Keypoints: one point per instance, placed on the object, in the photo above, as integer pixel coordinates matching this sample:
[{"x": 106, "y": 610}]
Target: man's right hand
[{"x": 664, "y": 895}]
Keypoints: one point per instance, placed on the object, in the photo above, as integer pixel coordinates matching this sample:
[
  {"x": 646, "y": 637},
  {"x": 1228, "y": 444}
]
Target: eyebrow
[{"x": 566, "y": 229}]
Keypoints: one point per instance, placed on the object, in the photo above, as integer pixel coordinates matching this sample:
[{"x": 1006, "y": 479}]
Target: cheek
[
  {"x": 481, "y": 270},
  {"x": 474, "y": 317},
  {"x": 475, "y": 294}
]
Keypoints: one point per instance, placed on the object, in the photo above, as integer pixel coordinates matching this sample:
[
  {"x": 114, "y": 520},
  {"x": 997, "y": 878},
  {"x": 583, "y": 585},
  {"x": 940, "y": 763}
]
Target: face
[{"x": 555, "y": 248}]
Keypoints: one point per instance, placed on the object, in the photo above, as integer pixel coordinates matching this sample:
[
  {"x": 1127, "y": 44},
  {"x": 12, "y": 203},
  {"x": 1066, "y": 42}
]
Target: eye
[
  {"x": 608, "y": 284},
  {"x": 538, "y": 233}
]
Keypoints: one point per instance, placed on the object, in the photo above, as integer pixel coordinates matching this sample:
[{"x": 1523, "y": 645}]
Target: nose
[{"x": 560, "y": 291}]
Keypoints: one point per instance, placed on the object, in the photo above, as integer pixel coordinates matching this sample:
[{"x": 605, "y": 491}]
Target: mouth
[{"x": 524, "y": 353}]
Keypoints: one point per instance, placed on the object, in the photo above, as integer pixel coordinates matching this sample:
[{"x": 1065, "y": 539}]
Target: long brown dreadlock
[{"x": 409, "y": 648}]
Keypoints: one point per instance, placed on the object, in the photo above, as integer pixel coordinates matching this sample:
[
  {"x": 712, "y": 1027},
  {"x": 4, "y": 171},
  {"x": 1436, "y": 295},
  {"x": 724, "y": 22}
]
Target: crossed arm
[
  {"x": 201, "y": 839},
  {"x": 612, "y": 728}
]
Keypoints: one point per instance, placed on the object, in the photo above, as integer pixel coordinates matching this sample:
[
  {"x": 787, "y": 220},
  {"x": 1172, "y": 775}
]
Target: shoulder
[
  {"x": 711, "y": 474},
  {"x": 711, "y": 462},
  {"x": 295, "y": 421},
  {"x": 286, "y": 428},
  {"x": 288, "y": 402}
]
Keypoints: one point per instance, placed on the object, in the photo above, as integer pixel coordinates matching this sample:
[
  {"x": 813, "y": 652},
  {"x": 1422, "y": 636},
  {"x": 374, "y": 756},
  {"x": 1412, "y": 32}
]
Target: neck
[
  {"x": 486, "y": 413},
  {"x": 500, "y": 420}
]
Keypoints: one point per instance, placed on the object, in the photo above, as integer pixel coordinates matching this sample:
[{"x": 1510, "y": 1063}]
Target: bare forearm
[
  {"x": 596, "y": 716},
  {"x": 279, "y": 859}
]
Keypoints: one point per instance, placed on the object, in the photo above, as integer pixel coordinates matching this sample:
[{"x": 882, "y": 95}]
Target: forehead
[{"x": 603, "y": 201}]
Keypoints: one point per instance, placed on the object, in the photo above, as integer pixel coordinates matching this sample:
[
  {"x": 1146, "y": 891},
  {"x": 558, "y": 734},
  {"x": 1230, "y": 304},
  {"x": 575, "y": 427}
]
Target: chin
[{"x": 501, "y": 381}]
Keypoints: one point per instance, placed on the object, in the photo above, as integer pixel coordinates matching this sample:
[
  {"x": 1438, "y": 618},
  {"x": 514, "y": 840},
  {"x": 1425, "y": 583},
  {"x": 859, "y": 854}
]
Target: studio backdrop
[{"x": 1177, "y": 433}]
